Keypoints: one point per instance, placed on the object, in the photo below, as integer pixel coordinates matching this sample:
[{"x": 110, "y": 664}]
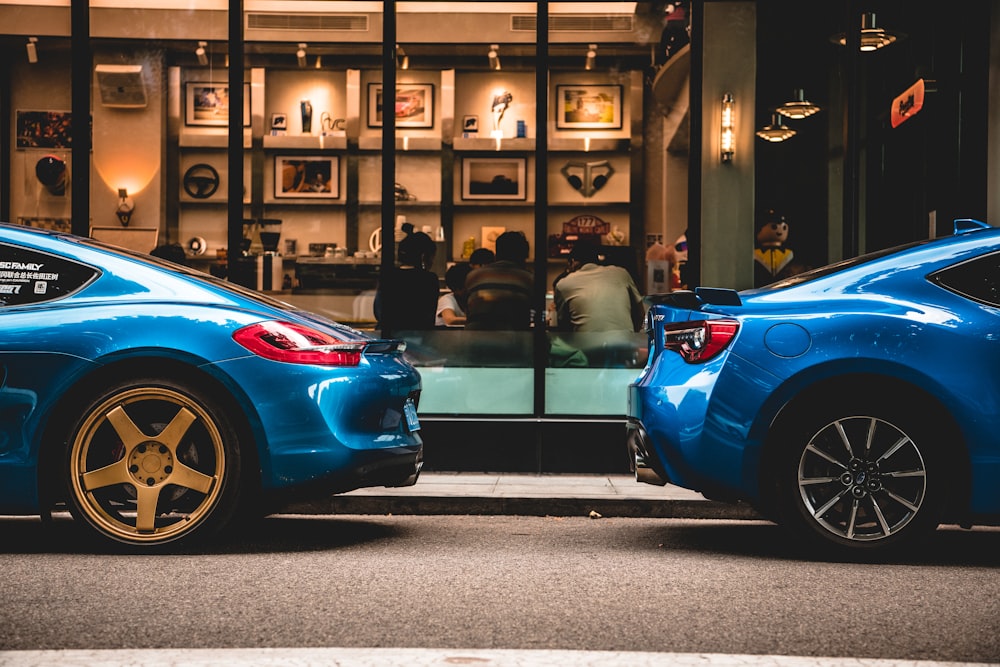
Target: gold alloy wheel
[{"x": 146, "y": 465}]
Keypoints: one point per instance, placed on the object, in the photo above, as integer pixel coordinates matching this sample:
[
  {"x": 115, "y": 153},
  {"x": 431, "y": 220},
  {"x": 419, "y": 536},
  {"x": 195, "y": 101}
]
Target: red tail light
[
  {"x": 298, "y": 344},
  {"x": 699, "y": 341}
]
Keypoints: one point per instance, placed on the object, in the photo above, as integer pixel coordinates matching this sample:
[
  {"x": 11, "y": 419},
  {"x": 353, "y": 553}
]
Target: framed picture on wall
[
  {"x": 414, "y": 105},
  {"x": 305, "y": 176},
  {"x": 490, "y": 178},
  {"x": 44, "y": 129},
  {"x": 207, "y": 103},
  {"x": 588, "y": 107}
]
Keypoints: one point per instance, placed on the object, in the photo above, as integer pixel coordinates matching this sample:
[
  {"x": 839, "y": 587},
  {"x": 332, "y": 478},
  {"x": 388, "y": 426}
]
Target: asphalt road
[{"x": 621, "y": 584}]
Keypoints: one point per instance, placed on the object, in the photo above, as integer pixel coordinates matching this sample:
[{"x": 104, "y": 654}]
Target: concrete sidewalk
[{"x": 528, "y": 495}]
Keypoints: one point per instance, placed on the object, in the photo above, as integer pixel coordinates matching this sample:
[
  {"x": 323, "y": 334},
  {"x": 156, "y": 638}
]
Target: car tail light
[
  {"x": 699, "y": 341},
  {"x": 298, "y": 344}
]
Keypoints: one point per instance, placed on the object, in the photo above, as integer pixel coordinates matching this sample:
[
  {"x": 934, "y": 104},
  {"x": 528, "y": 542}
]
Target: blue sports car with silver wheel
[
  {"x": 158, "y": 404},
  {"x": 858, "y": 403}
]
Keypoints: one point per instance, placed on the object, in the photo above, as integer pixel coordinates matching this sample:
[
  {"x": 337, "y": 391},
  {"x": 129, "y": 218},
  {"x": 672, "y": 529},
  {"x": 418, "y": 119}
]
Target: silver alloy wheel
[
  {"x": 146, "y": 465},
  {"x": 862, "y": 479}
]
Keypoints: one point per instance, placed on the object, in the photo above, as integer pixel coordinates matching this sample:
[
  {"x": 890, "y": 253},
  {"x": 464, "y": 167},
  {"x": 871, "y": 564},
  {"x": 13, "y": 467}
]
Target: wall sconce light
[
  {"x": 301, "y": 54},
  {"x": 727, "y": 128},
  {"x": 873, "y": 38},
  {"x": 201, "y": 54},
  {"x": 32, "y": 49},
  {"x": 776, "y": 132},
  {"x": 126, "y": 207},
  {"x": 798, "y": 107},
  {"x": 494, "y": 56},
  {"x": 402, "y": 60},
  {"x": 591, "y": 57}
]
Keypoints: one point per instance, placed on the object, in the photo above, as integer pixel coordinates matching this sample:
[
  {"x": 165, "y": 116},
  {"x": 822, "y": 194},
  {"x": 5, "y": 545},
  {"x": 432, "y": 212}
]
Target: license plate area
[{"x": 410, "y": 412}]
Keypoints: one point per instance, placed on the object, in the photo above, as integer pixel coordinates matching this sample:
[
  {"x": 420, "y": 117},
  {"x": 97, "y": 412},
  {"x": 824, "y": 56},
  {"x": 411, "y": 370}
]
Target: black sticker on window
[{"x": 28, "y": 276}]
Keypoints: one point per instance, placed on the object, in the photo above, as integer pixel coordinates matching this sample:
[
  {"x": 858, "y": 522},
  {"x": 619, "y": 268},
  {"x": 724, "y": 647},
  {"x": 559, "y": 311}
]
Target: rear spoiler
[
  {"x": 385, "y": 346},
  {"x": 966, "y": 225},
  {"x": 694, "y": 300}
]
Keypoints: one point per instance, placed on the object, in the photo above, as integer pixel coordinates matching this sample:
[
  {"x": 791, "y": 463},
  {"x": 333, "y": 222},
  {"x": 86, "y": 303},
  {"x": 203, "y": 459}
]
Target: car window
[
  {"x": 28, "y": 276},
  {"x": 977, "y": 279}
]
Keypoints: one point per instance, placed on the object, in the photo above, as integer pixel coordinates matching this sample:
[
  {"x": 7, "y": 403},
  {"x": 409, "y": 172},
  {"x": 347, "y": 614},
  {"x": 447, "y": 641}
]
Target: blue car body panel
[
  {"x": 315, "y": 427},
  {"x": 884, "y": 316}
]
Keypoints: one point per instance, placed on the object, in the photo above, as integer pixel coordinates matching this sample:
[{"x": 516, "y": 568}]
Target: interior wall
[
  {"x": 42, "y": 86},
  {"x": 727, "y": 195}
]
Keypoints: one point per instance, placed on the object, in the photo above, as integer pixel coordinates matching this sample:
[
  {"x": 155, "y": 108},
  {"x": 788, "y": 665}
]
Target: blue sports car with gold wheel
[
  {"x": 158, "y": 404},
  {"x": 857, "y": 404}
]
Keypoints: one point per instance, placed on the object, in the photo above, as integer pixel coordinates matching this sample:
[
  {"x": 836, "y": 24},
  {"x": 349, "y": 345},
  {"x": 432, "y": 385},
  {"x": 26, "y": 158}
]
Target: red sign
[{"x": 908, "y": 104}]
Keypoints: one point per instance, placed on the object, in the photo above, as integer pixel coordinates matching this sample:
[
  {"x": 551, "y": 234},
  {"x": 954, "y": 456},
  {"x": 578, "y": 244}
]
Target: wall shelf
[{"x": 330, "y": 142}]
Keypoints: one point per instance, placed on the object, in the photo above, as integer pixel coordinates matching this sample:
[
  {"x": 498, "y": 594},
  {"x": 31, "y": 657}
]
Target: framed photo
[
  {"x": 494, "y": 178},
  {"x": 589, "y": 107},
  {"x": 470, "y": 124},
  {"x": 414, "y": 105},
  {"x": 44, "y": 129},
  {"x": 306, "y": 177},
  {"x": 207, "y": 103}
]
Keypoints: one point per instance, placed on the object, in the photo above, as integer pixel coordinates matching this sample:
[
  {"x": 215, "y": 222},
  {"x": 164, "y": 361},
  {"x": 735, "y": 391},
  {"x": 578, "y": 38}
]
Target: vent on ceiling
[
  {"x": 307, "y": 22},
  {"x": 575, "y": 23}
]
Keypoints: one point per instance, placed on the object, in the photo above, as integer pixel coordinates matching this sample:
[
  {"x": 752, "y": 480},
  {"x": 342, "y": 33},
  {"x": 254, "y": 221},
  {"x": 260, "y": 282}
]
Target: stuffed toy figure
[{"x": 772, "y": 260}]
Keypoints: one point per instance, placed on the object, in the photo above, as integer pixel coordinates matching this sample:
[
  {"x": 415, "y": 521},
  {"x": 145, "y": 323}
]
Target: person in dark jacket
[{"x": 406, "y": 297}]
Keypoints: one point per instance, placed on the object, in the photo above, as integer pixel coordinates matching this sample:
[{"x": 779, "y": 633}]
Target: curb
[{"x": 521, "y": 506}]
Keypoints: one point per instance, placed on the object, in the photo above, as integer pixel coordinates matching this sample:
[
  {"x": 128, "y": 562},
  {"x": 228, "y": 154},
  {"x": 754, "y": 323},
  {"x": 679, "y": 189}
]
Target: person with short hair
[
  {"x": 406, "y": 296},
  {"x": 481, "y": 257},
  {"x": 451, "y": 305},
  {"x": 596, "y": 297},
  {"x": 499, "y": 294}
]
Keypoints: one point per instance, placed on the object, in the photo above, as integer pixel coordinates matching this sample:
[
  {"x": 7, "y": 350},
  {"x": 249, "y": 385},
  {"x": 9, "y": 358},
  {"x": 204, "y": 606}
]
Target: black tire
[
  {"x": 151, "y": 462},
  {"x": 857, "y": 476}
]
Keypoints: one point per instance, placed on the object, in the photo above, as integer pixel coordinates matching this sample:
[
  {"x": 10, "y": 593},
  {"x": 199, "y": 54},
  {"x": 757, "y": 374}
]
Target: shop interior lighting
[
  {"x": 402, "y": 60},
  {"x": 201, "y": 54},
  {"x": 777, "y": 131},
  {"x": 319, "y": 62},
  {"x": 798, "y": 107},
  {"x": 873, "y": 38},
  {"x": 126, "y": 207},
  {"x": 727, "y": 128},
  {"x": 494, "y": 56},
  {"x": 591, "y": 60},
  {"x": 32, "y": 48},
  {"x": 301, "y": 54}
]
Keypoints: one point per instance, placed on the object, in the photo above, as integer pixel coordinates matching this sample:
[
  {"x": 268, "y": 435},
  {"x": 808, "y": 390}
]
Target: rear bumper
[{"x": 391, "y": 467}]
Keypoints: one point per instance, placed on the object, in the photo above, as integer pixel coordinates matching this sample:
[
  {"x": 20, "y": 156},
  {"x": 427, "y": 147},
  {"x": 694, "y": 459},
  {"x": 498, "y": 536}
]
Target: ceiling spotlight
[
  {"x": 798, "y": 107},
  {"x": 301, "y": 54},
  {"x": 494, "y": 56},
  {"x": 872, "y": 37},
  {"x": 591, "y": 57},
  {"x": 775, "y": 132},
  {"x": 402, "y": 60},
  {"x": 200, "y": 52},
  {"x": 32, "y": 48}
]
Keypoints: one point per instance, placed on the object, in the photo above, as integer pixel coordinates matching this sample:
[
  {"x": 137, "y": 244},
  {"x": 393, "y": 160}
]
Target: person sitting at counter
[
  {"x": 406, "y": 296},
  {"x": 595, "y": 297},
  {"x": 451, "y": 304},
  {"x": 499, "y": 294}
]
